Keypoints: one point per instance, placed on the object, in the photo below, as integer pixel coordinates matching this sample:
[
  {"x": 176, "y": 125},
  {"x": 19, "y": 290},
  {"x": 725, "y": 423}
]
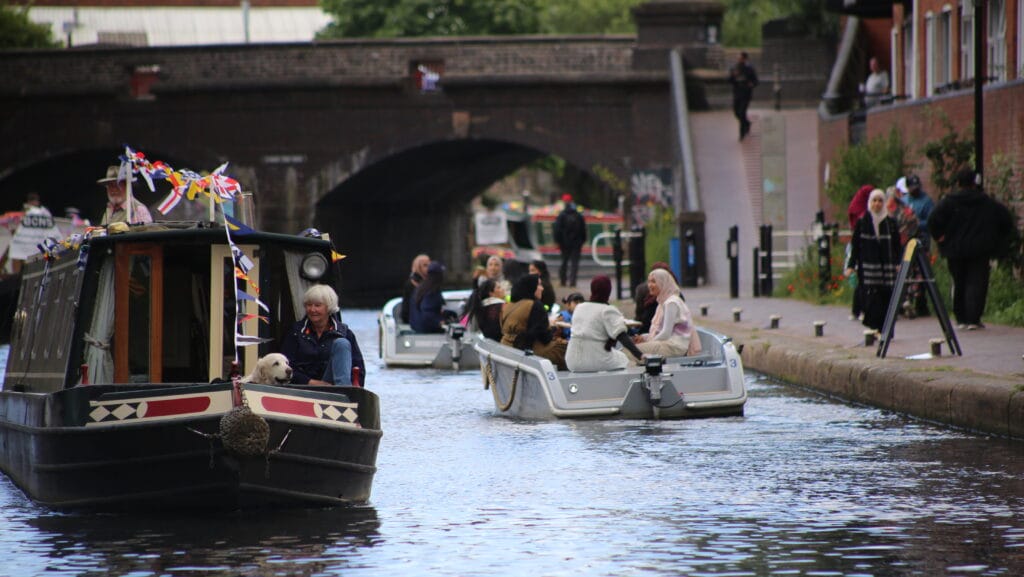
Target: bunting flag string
[{"x": 217, "y": 186}]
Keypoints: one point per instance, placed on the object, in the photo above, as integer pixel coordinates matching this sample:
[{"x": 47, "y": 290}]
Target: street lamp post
[{"x": 979, "y": 84}]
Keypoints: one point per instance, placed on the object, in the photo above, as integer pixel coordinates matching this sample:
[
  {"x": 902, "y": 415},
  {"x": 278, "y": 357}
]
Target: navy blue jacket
[
  {"x": 309, "y": 354},
  {"x": 426, "y": 315}
]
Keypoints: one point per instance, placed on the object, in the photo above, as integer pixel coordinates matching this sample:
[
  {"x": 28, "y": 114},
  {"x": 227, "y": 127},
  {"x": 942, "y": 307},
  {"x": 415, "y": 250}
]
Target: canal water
[{"x": 800, "y": 485}]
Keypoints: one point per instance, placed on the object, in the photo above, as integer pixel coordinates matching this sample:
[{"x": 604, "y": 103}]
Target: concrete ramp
[{"x": 732, "y": 177}]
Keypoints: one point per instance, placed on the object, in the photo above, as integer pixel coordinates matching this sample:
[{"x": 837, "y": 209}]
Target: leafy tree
[
  {"x": 879, "y": 162},
  {"x": 589, "y": 16},
  {"x": 17, "y": 31},
  {"x": 413, "y": 18},
  {"x": 742, "y": 21}
]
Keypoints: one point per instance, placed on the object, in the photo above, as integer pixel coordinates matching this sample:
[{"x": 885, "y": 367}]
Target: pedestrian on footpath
[
  {"x": 922, "y": 205},
  {"x": 857, "y": 208},
  {"x": 743, "y": 78},
  {"x": 971, "y": 228},
  {"x": 875, "y": 254},
  {"x": 570, "y": 232}
]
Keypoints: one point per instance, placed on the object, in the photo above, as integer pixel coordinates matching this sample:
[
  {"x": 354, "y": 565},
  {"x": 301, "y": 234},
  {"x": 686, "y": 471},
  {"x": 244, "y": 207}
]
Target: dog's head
[{"x": 272, "y": 369}]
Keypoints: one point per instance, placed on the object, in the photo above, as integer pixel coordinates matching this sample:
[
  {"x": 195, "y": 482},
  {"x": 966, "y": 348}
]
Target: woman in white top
[
  {"x": 673, "y": 333},
  {"x": 596, "y": 326}
]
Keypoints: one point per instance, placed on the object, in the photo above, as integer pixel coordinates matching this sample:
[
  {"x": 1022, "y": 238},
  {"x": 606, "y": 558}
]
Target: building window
[
  {"x": 1020, "y": 41},
  {"x": 967, "y": 40},
  {"x": 996, "y": 40},
  {"x": 908, "y": 55},
  {"x": 941, "y": 52},
  {"x": 930, "y": 51}
]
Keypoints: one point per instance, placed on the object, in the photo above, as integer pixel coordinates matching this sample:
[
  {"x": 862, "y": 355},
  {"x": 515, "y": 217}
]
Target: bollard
[
  {"x": 819, "y": 328},
  {"x": 870, "y": 336},
  {"x": 775, "y": 321},
  {"x": 736, "y": 314},
  {"x": 936, "y": 347},
  {"x": 704, "y": 310}
]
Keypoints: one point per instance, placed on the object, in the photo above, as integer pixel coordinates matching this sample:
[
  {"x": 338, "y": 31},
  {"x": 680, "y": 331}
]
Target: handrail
[{"x": 603, "y": 235}]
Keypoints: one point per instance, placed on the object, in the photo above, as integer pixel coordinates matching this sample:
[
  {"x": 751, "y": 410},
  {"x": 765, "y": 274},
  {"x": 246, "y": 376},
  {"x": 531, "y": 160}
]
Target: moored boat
[
  {"x": 527, "y": 386},
  {"x": 149, "y": 421},
  {"x": 400, "y": 346}
]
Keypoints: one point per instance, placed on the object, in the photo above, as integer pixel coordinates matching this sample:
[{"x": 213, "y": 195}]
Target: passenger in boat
[
  {"x": 646, "y": 303},
  {"x": 485, "y": 306},
  {"x": 321, "y": 349},
  {"x": 673, "y": 333},
  {"x": 596, "y": 327},
  {"x": 525, "y": 325},
  {"x": 540, "y": 268},
  {"x": 427, "y": 314},
  {"x": 416, "y": 276},
  {"x": 117, "y": 195},
  {"x": 565, "y": 315},
  {"x": 496, "y": 271}
]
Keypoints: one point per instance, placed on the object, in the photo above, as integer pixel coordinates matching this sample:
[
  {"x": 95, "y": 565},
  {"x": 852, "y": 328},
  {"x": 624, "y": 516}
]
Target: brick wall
[{"x": 367, "y": 62}]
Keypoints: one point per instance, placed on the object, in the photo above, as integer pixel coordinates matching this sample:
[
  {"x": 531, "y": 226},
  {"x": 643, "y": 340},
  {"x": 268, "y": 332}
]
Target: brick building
[{"x": 932, "y": 57}]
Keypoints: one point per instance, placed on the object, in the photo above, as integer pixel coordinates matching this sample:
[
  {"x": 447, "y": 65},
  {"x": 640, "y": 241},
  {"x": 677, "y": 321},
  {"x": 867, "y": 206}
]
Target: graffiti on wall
[{"x": 651, "y": 188}]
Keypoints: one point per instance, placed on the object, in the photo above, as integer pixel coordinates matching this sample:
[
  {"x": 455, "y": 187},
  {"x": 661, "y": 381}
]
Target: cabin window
[
  {"x": 138, "y": 337},
  {"x": 139, "y": 302}
]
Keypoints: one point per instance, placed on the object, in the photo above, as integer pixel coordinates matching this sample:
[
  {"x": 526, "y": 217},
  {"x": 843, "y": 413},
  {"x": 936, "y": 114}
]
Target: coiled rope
[{"x": 489, "y": 376}]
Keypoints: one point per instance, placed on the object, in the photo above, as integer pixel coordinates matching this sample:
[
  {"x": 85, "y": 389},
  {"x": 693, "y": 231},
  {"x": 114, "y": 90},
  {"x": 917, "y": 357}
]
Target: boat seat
[
  {"x": 405, "y": 330},
  {"x": 695, "y": 360}
]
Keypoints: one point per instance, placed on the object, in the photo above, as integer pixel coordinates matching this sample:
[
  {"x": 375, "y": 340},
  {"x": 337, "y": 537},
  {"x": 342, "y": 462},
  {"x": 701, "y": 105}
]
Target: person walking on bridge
[
  {"x": 743, "y": 78},
  {"x": 570, "y": 232}
]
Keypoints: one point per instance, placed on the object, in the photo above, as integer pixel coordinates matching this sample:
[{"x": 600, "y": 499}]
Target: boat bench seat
[{"x": 701, "y": 359}]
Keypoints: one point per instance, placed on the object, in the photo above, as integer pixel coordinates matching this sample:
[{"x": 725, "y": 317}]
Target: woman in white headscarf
[
  {"x": 672, "y": 333},
  {"x": 875, "y": 253}
]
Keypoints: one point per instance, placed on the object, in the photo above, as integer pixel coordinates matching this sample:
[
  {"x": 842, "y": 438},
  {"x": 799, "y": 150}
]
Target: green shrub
[
  {"x": 659, "y": 233},
  {"x": 880, "y": 162},
  {"x": 803, "y": 282}
]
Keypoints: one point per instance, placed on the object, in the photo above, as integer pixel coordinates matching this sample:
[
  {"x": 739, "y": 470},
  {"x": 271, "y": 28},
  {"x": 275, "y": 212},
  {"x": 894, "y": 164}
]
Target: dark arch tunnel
[{"x": 415, "y": 201}]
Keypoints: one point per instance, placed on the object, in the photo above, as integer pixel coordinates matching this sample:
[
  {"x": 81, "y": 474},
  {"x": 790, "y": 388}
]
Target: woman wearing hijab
[
  {"x": 647, "y": 304},
  {"x": 596, "y": 326},
  {"x": 525, "y": 325},
  {"x": 672, "y": 333},
  {"x": 858, "y": 206},
  {"x": 875, "y": 254}
]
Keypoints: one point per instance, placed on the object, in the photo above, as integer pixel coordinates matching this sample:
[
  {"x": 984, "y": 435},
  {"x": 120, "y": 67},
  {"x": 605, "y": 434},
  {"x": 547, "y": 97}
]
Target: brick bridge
[{"x": 342, "y": 136}]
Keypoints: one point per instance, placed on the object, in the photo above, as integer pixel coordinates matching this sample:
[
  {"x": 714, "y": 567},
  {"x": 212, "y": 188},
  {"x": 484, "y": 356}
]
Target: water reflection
[{"x": 800, "y": 485}]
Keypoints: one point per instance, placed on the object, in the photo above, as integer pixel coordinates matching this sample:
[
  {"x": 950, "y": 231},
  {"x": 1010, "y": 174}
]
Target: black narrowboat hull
[{"x": 128, "y": 453}]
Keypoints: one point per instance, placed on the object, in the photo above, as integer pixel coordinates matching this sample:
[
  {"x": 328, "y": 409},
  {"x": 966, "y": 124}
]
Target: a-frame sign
[{"x": 911, "y": 256}]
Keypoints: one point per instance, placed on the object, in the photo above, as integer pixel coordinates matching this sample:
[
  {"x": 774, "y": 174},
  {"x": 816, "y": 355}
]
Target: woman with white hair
[
  {"x": 672, "y": 333},
  {"x": 322, "y": 350},
  {"x": 875, "y": 254}
]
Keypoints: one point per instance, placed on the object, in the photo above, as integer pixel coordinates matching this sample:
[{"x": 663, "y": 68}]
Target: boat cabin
[{"x": 158, "y": 305}]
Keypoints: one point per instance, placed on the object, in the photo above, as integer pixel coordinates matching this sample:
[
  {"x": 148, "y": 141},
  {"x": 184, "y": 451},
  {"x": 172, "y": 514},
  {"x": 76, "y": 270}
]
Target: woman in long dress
[
  {"x": 596, "y": 327},
  {"x": 672, "y": 333},
  {"x": 875, "y": 253}
]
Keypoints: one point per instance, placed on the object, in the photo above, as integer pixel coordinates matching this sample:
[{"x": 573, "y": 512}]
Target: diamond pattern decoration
[
  {"x": 126, "y": 410},
  {"x": 99, "y": 413}
]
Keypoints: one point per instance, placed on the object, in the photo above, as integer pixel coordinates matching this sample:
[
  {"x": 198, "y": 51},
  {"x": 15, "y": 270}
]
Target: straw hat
[{"x": 112, "y": 175}]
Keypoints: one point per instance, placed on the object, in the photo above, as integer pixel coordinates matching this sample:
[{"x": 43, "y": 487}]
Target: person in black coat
[
  {"x": 875, "y": 253},
  {"x": 321, "y": 349},
  {"x": 416, "y": 276},
  {"x": 971, "y": 228},
  {"x": 743, "y": 78},
  {"x": 427, "y": 314},
  {"x": 570, "y": 232}
]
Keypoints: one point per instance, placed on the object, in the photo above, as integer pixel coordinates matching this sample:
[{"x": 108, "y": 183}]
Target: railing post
[
  {"x": 757, "y": 272},
  {"x": 617, "y": 256},
  {"x": 637, "y": 258},
  {"x": 732, "y": 249},
  {"x": 766, "y": 260}
]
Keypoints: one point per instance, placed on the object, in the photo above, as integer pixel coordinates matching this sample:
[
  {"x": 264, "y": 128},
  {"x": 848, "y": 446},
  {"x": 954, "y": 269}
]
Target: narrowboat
[{"x": 122, "y": 386}]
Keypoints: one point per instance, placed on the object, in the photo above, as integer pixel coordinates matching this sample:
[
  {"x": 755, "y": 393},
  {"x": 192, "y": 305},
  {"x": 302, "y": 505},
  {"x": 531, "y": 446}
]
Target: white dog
[{"x": 272, "y": 369}]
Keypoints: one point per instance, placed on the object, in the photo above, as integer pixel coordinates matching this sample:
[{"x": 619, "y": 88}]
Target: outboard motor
[
  {"x": 455, "y": 332},
  {"x": 652, "y": 377}
]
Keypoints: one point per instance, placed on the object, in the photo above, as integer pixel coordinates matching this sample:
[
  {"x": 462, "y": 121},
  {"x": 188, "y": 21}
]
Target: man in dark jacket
[
  {"x": 970, "y": 228},
  {"x": 570, "y": 232},
  {"x": 743, "y": 78}
]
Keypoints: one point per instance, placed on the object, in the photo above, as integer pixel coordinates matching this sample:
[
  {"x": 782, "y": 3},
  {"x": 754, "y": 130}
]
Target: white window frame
[
  {"x": 996, "y": 40},
  {"x": 909, "y": 57},
  {"x": 929, "y": 50},
  {"x": 967, "y": 39},
  {"x": 942, "y": 54}
]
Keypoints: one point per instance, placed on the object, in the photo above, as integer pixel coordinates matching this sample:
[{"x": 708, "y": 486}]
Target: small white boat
[
  {"x": 526, "y": 386},
  {"x": 400, "y": 346}
]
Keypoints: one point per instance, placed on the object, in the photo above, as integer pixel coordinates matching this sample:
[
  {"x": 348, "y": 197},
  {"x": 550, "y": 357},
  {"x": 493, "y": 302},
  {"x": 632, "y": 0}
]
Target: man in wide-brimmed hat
[{"x": 117, "y": 196}]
